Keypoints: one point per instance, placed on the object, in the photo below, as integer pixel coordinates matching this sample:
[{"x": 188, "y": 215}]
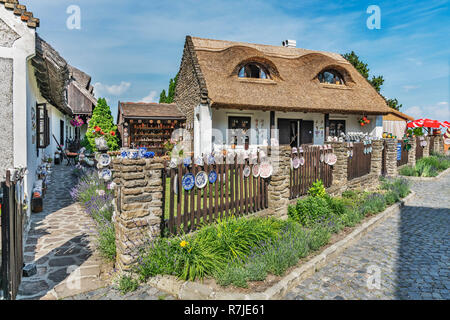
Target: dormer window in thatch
[
  {"x": 331, "y": 76},
  {"x": 253, "y": 70}
]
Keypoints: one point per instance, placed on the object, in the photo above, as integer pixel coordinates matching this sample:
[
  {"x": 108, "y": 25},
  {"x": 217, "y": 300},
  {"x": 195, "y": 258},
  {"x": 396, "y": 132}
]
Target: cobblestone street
[
  {"x": 410, "y": 250},
  {"x": 61, "y": 243}
]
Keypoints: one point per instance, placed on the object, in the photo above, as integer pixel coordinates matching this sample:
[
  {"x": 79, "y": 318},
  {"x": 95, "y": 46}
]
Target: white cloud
[
  {"x": 417, "y": 62},
  {"x": 150, "y": 98},
  {"x": 443, "y": 103},
  {"x": 415, "y": 112},
  {"x": 439, "y": 111},
  {"x": 408, "y": 88},
  {"x": 111, "y": 90}
]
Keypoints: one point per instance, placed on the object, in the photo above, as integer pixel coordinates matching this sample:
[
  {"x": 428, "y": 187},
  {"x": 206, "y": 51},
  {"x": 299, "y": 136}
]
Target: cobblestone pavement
[
  {"x": 409, "y": 250},
  {"x": 61, "y": 242}
]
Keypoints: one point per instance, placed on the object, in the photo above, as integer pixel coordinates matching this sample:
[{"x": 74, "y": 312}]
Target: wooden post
[{"x": 327, "y": 126}]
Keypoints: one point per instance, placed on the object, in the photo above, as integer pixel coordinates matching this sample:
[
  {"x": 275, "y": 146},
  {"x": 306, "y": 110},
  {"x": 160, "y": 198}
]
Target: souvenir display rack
[{"x": 152, "y": 134}]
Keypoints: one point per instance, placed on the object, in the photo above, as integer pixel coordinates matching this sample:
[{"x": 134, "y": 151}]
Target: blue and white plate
[
  {"x": 142, "y": 152},
  {"x": 212, "y": 177},
  {"x": 211, "y": 160},
  {"x": 187, "y": 161},
  {"x": 201, "y": 179},
  {"x": 105, "y": 174},
  {"x": 188, "y": 181}
]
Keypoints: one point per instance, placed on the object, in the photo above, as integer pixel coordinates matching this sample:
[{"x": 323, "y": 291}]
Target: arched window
[
  {"x": 331, "y": 76},
  {"x": 253, "y": 70}
]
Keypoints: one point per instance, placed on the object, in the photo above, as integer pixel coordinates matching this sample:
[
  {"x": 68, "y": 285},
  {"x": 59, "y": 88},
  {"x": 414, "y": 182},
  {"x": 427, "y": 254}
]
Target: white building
[{"x": 39, "y": 95}]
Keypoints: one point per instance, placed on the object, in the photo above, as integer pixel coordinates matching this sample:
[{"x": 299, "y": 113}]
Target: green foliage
[
  {"x": 407, "y": 171},
  {"x": 310, "y": 210},
  {"x": 319, "y": 236},
  {"x": 393, "y": 103},
  {"x": 169, "y": 98},
  {"x": 107, "y": 241},
  {"x": 317, "y": 189},
  {"x": 127, "y": 284},
  {"x": 85, "y": 143},
  {"x": 391, "y": 197},
  {"x": 101, "y": 117},
  {"x": 373, "y": 203},
  {"x": 377, "y": 82}
]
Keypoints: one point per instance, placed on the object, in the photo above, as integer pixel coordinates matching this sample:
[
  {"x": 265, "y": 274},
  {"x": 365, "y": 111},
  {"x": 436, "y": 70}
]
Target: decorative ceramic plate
[
  {"x": 322, "y": 158},
  {"x": 187, "y": 161},
  {"x": 332, "y": 159},
  {"x": 255, "y": 170},
  {"x": 124, "y": 154},
  {"x": 212, "y": 177},
  {"x": 201, "y": 179},
  {"x": 199, "y": 161},
  {"x": 211, "y": 159},
  {"x": 365, "y": 151},
  {"x": 104, "y": 159},
  {"x": 294, "y": 150},
  {"x": 247, "y": 171},
  {"x": 105, "y": 174},
  {"x": 302, "y": 161},
  {"x": 133, "y": 154},
  {"x": 296, "y": 162},
  {"x": 188, "y": 181},
  {"x": 266, "y": 170},
  {"x": 173, "y": 163},
  {"x": 142, "y": 152},
  {"x": 218, "y": 158}
]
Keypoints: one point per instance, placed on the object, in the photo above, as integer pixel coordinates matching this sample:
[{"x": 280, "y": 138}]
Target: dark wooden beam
[{"x": 327, "y": 126}]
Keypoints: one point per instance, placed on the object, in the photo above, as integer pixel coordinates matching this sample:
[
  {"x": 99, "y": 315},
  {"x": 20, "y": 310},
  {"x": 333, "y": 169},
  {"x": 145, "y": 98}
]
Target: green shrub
[
  {"x": 107, "y": 241},
  {"x": 408, "y": 171},
  {"x": 400, "y": 186},
  {"x": 318, "y": 237},
  {"x": 372, "y": 204},
  {"x": 311, "y": 209},
  {"x": 391, "y": 197},
  {"x": 429, "y": 171},
  {"x": 317, "y": 189},
  {"x": 339, "y": 206},
  {"x": 351, "y": 218},
  {"x": 127, "y": 284},
  {"x": 234, "y": 274}
]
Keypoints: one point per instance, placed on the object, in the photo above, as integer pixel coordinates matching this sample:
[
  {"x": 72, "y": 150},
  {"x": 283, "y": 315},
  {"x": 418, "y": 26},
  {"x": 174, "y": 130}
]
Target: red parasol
[{"x": 426, "y": 123}]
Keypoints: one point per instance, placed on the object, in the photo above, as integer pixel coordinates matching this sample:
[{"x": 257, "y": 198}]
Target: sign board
[{"x": 399, "y": 151}]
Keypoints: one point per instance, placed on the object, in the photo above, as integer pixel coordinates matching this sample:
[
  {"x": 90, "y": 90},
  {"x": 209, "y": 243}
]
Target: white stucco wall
[{"x": 374, "y": 128}]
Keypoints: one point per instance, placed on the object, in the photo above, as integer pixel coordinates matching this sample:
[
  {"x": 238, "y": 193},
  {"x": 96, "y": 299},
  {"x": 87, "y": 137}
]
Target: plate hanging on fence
[
  {"x": 322, "y": 157},
  {"x": 247, "y": 171},
  {"x": 332, "y": 159},
  {"x": 201, "y": 179},
  {"x": 212, "y": 177},
  {"x": 199, "y": 161},
  {"x": 302, "y": 161},
  {"x": 188, "y": 181},
  {"x": 211, "y": 159},
  {"x": 104, "y": 159},
  {"x": 255, "y": 170},
  {"x": 296, "y": 163},
  {"x": 266, "y": 170}
]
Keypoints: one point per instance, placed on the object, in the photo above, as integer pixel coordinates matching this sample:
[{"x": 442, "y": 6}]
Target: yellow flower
[{"x": 183, "y": 243}]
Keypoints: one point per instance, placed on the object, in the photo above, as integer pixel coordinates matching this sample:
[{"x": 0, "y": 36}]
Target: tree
[
  {"x": 102, "y": 118},
  {"x": 171, "y": 92},
  {"x": 376, "y": 82},
  {"x": 393, "y": 103}
]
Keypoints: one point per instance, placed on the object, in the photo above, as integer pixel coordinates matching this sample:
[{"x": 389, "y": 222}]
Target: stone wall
[
  {"x": 6, "y": 116},
  {"x": 138, "y": 208},
  {"x": 426, "y": 149},
  {"x": 412, "y": 152},
  {"x": 279, "y": 189},
  {"x": 340, "y": 168},
  {"x": 391, "y": 157}
]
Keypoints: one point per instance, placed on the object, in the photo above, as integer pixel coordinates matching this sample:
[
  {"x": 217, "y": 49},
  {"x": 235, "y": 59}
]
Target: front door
[
  {"x": 306, "y": 132},
  {"x": 288, "y": 132}
]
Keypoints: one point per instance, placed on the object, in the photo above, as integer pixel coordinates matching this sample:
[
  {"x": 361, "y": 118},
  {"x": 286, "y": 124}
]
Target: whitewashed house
[
  {"x": 39, "y": 95},
  {"x": 296, "y": 96}
]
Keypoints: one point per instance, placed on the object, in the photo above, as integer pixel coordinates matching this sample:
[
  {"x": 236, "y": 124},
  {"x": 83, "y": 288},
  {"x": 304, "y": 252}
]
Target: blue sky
[{"x": 132, "y": 48}]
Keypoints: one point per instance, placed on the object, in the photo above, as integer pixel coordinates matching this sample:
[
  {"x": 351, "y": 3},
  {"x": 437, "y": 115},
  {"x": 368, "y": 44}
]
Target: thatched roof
[
  {"x": 294, "y": 85},
  {"x": 55, "y": 76},
  {"x": 21, "y": 10},
  {"x": 143, "y": 110},
  {"x": 397, "y": 115}
]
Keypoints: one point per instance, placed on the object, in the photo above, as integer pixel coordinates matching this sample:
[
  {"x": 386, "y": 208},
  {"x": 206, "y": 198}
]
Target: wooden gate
[
  {"x": 419, "y": 149},
  {"x": 232, "y": 194},
  {"x": 314, "y": 168},
  {"x": 404, "y": 153},
  {"x": 383, "y": 159},
  {"x": 12, "y": 229},
  {"x": 359, "y": 163}
]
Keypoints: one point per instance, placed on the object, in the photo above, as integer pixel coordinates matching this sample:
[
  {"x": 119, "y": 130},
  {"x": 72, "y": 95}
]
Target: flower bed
[
  {"x": 97, "y": 200},
  {"x": 427, "y": 167},
  {"x": 238, "y": 251}
]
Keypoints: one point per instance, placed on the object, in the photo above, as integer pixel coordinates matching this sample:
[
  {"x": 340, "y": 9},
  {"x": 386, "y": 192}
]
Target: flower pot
[{"x": 101, "y": 144}]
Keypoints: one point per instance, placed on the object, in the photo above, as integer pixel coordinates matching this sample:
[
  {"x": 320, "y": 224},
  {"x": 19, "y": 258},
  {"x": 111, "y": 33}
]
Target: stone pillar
[
  {"x": 139, "y": 206},
  {"x": 377, "y": 155},
  {"x": 279, "y": 189},
  {"x": 426, "y": 149},
  {"x": 412, "y": 152},
  {"x": 391, "y": 157},
  {"x": 441, "y": 145},
  {"x": 340, "y": 168}
]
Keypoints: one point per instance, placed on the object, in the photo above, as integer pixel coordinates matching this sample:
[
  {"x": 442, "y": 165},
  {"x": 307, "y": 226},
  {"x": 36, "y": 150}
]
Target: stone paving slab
[
  {"x": 409, "y": 251},
  {"x": 62, "y": 244}
]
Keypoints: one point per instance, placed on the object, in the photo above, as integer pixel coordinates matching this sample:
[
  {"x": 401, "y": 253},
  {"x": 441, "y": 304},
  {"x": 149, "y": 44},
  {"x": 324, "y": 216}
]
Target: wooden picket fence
[
  {"x": 404, "y": 154},
  {"x": 419, "y": 149},
  {"x": 231, "y": 195},
  {"x": 359, "y": 163},
  {"x": 302, "y": 178}
]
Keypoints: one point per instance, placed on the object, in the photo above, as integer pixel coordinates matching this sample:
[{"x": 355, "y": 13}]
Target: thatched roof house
[{"x": 311, "y": 88}]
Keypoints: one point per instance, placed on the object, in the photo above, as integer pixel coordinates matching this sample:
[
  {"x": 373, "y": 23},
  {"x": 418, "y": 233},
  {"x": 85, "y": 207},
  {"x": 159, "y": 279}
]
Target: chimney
[{"x": 289, "y": 43}]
